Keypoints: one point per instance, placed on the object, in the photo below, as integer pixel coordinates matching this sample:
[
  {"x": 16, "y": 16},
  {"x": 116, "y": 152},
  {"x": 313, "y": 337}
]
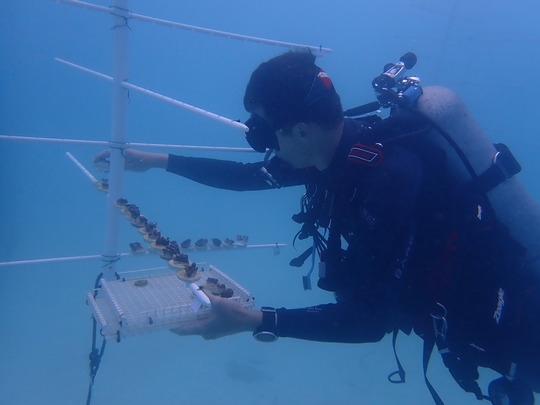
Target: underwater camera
[{"x": 392, "y": 87}]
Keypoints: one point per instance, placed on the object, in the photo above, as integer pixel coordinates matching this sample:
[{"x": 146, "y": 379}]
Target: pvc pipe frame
[
  {"x": 317, "y": 50},
  {"x": 82, "y": 168},
  {"x": 95, "y": 257},
  {"x": 117, "y": 256},
  {"x": 121, "y": 14},
  {"x": 170, "y": 100},
  {"x": 127, "y": 144},
  {"x": 118, "y": 136}
]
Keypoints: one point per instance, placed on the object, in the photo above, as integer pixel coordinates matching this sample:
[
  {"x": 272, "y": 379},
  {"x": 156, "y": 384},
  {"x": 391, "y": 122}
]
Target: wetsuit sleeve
[
  {"x": 329, "y": 323},
  {"x": 376, "y": 265},
  {"x": 232, "y": 175}
]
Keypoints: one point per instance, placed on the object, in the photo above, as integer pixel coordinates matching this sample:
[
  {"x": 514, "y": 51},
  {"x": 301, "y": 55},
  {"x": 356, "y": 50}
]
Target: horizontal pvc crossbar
[
  {"x": 127, "y": 14},
  {"x": 227, "y": 121},
  {"x": 94, "y": 257},
  {"x": 54, "y": 260},
  {"x": 127, "y": 144}
]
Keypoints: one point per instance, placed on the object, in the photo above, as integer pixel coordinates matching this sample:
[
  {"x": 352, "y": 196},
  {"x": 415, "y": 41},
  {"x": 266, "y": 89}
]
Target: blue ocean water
[{"x": 487, "y": 51}]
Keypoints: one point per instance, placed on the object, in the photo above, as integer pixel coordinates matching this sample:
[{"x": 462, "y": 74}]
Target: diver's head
[{"x": 284, "y": 91}]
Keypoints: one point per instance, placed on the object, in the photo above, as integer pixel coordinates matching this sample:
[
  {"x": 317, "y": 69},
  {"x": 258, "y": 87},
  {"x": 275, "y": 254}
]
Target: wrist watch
[{"x": 267, "y": 330}]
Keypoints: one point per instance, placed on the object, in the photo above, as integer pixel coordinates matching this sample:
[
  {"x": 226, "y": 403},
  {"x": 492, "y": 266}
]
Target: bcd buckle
[{"x": 440, "y": 324}]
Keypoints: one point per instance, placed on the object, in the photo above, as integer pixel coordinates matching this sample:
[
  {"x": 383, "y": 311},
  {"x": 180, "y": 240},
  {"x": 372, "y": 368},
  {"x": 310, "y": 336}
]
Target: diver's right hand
[
  {"x": 227, "y": 317},
  {"x": 135, "y": 160}
]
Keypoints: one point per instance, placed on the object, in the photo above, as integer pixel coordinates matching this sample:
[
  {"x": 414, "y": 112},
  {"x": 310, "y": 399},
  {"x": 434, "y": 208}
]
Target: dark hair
[{"x": 283, "y": 86}]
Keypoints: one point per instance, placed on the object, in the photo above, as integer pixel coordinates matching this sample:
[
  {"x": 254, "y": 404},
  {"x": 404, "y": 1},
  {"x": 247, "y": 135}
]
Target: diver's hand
[
  {"x": 135, "y": 160},
  {"x": 227, "y": 317}
]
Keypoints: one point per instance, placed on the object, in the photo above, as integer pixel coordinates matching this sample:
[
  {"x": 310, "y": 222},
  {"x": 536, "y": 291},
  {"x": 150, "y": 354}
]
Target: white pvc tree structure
[{"x": 119, "y": 137}]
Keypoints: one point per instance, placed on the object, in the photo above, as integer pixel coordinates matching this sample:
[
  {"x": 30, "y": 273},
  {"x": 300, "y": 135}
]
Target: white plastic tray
[{"x": 143, "y": 304}]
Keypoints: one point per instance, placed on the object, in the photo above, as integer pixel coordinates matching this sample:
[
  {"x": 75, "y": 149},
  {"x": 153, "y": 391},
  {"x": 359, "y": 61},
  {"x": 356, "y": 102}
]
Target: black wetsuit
[
  {"x": 413, "y": 240},
  {"x": 379, "y": 223}
]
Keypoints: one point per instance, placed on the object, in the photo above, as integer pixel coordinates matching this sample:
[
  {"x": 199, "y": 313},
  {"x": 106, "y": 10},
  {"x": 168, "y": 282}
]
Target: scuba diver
[{"x": 416, "y": 220}]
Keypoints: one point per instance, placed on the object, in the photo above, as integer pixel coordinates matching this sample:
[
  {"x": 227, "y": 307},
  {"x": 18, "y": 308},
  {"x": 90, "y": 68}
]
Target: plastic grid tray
[{"x": 143, "y": 304}]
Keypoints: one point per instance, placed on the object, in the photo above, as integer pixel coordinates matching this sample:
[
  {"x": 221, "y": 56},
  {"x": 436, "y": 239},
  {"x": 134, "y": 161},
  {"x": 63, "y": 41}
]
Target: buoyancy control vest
[
  {"x": 496, "y": 210},
  {"x": 494, "y": 168},
  {"x": 485, "y": 287}
]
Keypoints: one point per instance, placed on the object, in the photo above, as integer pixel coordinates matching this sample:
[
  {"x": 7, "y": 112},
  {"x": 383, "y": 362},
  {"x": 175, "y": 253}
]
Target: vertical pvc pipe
[{"x": 118, "y": 135}]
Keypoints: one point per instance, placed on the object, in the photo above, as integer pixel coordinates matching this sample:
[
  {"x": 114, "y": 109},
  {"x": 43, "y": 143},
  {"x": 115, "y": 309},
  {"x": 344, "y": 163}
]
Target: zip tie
[
  {"x": 124, "y": 15},
  {"x": 118, "y": 145},
  {"x": 109, "y": 260}
]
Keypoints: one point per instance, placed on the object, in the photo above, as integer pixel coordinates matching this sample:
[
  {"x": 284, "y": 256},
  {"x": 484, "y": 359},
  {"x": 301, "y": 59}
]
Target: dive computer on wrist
[{"x": 267, "y": 330}]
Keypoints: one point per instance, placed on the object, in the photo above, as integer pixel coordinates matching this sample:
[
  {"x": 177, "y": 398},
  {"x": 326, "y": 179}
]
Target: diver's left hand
[
  {"x": 227, "y": 317},
  {"x": 134, "y": 160}
]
